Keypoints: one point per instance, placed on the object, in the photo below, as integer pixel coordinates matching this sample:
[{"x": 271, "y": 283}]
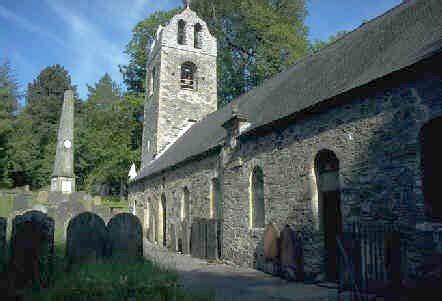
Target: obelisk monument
[{"x": 63, "y": 177}]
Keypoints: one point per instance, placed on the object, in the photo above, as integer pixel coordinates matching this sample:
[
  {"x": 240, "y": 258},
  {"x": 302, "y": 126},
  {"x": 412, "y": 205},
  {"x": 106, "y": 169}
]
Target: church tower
[{"x": 181, "y": 82}]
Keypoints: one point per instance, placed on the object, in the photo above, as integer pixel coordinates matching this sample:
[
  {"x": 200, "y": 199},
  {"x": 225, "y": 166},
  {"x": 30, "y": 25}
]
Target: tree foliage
[
  {"x": 8, "y": 105},
  {"x": 108, "y": 138},
  {"x": 319, "y": 44},
  {"x": 35, "y": 128},
  {"x": 256, "y": 40}
]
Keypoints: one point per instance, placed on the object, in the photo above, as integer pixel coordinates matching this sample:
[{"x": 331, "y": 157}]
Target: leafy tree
[
  {"x": 256, "y": 40},
  {"x": 319, "y": 44},
  {"x": 8, "y": 105},
  {"x": 143, "y": 35},
  {"x": 108, "y": 140},
  {"x": 35, "y": 128}
]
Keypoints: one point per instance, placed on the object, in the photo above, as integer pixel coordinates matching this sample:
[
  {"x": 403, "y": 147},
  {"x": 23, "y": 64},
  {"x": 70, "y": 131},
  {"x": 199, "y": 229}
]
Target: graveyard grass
[{"x": 117, "y": 278}]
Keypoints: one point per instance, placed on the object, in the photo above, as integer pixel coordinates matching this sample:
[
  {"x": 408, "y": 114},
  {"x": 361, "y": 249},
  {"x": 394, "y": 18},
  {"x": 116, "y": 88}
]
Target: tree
[
  {"x": 318, "y": 44},
  {"x": 108, "y": 139},
  {"x": 35, "y": 128},
  {"x": 9, "y": 95},
  {"x": 134, "y": 74},
  {"x": 256, "y": 40}
]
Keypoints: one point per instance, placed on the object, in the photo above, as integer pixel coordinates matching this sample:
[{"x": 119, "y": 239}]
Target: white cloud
[
  {"x": 27, "y": 25},
  {"x": 95, "y": 54}
]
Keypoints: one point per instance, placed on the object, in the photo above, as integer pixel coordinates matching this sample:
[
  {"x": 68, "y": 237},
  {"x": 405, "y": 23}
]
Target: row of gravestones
[
  {"x": 283, "y": 255},
  {"x": 88, "y": 238}
]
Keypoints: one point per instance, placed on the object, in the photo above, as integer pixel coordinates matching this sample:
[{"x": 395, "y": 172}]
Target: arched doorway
[{"x": 327, "y": 179}]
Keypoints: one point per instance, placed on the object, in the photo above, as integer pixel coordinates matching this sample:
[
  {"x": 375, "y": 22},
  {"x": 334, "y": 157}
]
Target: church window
[
  {"x": 431, "y": 165},
  {"x": 215, "y": 197},
  {"x": 188, "y": 76},
  {"x": 257, "y": 210},
  {"x": 197, "y": 35},
  {"x": 152, "y": 81},
  {"x": 185, "y": 204},
  {"x": 181, "y": 32}
]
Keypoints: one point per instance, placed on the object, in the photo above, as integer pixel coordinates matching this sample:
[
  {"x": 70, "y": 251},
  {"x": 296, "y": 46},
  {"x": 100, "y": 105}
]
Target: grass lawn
[
  {"x": 111, "y": 279},
  {"x": 6, "y": 204}
]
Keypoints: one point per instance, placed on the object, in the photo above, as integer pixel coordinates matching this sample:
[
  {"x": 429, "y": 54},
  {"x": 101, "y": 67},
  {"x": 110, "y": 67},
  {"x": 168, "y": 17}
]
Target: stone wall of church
[
  {"x": 196, "y": 176},
  {"x": 376, "y": 139}
]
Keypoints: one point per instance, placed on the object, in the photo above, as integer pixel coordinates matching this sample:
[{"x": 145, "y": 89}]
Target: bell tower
[{"x": 181, "y": 82}]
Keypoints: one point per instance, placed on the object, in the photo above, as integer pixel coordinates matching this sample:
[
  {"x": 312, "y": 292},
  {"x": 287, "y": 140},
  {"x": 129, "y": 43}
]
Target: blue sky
[{"x": 88, "y": 37}]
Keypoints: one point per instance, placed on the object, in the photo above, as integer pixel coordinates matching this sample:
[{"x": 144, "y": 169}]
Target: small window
[
  {"x": 257, "y": 208},
  {"x": 152, "y": 83},
  {"x": 181, "y": 32},
  {"x": 188, "y": 76},
  {"x": 197, "y": 35}
]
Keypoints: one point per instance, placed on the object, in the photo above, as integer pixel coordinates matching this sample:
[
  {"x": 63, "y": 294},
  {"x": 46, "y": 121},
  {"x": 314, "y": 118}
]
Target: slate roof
[{"x": 404, "y": 35}]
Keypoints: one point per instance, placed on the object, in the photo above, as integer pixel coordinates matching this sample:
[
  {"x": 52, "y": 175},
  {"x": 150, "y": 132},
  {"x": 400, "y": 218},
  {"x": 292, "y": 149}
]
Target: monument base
[{"x": 63, "y": 184}]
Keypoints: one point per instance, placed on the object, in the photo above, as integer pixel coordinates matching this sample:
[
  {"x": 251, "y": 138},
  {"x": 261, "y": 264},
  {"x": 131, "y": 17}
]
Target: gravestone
[
  {"x": 271, "y": 244},
  {"x": 21, "y": 202},
  {"x": 87, "y": 238},
  {"x": 3, "y": 224},
  {"x": 125, "y": 235},
  {"x": 67, "y": 210},
  {"x": 32, "y": 250},
  {"x": 291, "y": 257}
]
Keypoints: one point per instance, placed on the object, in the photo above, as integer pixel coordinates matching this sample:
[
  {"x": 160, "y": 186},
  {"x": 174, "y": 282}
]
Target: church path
[{"x": 233, "y": 283}]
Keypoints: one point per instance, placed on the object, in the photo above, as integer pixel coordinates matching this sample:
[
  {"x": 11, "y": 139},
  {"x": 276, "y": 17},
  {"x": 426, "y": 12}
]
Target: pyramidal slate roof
[{"x": 404, "y": 35}]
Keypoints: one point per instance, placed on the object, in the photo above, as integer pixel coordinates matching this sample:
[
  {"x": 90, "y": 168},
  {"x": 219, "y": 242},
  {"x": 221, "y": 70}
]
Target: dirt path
[{"x": 233, "y": 283}]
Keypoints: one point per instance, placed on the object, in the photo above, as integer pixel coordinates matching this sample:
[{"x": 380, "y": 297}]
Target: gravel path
[{"x": 233, "y": 283}]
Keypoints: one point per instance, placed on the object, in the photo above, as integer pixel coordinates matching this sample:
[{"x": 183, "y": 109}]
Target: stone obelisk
[{"x": 63, "y": 177}]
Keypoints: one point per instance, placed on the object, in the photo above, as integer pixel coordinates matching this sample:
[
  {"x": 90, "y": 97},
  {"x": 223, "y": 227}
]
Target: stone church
[{"x": 347, "y": 135}]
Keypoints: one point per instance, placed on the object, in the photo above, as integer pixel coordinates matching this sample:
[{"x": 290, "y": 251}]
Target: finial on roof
[{"x": 187, "y": 2}]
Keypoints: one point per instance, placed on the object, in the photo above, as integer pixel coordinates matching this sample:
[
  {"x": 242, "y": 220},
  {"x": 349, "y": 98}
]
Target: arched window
[
  {"x": 188, "y": 76},
  {"x": 146, "y": 218},
  {"x": 185, "y": 204},
  {"x": 197, "y": 31},
  {"x": 327, "y": 181},
  {"x": 431, "y": 166},
  {"x": 152, "y": 83},
  {"x": 257, "y": 209},
  {"x": 162, "y": 220},
  {"x": 181, "y": 32},
  {"x": 215, "y": 197}
]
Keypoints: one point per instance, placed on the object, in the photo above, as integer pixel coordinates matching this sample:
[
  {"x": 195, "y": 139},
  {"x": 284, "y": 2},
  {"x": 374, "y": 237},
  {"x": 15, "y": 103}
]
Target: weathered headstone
[
  {"x": 125, "y": 235},
  {"x": 32, "y": 250},
  {"x": 67, "y": 210},
  {"x": 87, "y": 238},
  {"x": 21, "y": 201},
  {"x": 271, "y": 243},
  {"x": 40, "y": 207},
  {"x": 3, "y": 224},
  {"x": 291, "y": 257},
  {"x": 42, "y": 196}
]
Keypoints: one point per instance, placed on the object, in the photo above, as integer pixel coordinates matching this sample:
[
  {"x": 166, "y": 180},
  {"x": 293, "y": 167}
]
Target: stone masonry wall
[
  {"x": 195, "y": 175},
  {"x": 376, "y": 139},
  {"x": 170, "y": 110}
]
